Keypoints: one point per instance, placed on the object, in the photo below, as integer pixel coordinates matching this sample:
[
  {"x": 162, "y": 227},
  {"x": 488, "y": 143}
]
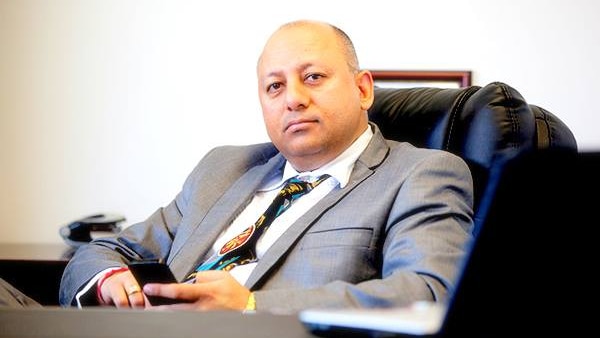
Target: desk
[
  {"x": 35, "y": 269},
  {"x": 110, "y": 322}
]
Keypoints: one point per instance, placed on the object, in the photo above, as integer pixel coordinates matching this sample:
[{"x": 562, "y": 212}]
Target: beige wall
[{"x": 106, "y": 105}]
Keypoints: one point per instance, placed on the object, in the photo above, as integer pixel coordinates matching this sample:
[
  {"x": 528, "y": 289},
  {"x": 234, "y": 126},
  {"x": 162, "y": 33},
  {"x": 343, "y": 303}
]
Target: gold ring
[{"x": 132, "y": 289}]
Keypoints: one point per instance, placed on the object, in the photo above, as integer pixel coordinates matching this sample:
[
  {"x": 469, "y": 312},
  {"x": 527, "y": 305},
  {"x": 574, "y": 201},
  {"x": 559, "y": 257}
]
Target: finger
[
  {"x": 135, "y": 296},
  {"x": 119, "y": 297},
  {"x": 112, "y": 290},
  {"x": 184, "y": 292}
]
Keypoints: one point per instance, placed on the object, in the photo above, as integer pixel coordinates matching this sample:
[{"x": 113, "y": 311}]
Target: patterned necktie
[{"x": 241, "y": 249}]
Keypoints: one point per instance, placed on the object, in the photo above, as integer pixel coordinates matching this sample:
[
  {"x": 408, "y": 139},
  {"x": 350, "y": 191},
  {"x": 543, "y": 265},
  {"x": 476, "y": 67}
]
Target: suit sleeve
[{"x": 150, "y": 239}]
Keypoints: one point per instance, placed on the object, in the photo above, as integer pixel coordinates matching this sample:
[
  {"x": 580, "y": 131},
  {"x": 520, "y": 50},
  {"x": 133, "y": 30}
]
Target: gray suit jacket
[{"x": 395, "y": 234}]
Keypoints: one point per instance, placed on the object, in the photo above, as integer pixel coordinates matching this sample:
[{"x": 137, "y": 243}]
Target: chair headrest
[{"x": 476, "y": 123}]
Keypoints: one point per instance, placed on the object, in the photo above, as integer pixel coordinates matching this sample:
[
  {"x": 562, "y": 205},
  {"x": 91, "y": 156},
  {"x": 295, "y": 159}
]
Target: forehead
[{"x": 301, "y": 44}]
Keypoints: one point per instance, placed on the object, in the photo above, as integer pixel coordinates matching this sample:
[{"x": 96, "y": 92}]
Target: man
[{"x": 388, "y": 223}]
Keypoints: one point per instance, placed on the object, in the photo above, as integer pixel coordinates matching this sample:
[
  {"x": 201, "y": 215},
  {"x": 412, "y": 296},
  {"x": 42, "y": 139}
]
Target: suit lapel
[{"x": 372, "y": 157}]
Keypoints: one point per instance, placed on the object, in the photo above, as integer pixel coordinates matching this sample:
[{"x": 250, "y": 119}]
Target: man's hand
[
  {"x": 213, "y": 290},
  {"x": 122, "y": 291}
]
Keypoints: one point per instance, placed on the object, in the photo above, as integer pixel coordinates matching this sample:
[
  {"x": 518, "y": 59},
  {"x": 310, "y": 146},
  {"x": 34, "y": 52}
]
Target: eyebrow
[{"x": 300, "y": 68}]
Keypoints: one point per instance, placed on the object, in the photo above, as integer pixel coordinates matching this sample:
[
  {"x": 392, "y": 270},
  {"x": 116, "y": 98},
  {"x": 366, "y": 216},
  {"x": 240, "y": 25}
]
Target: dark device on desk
[
  {"x": 80, "y": 231},
  {"x": 544, "y": 189},
  {"x": 153, "y": 272}
]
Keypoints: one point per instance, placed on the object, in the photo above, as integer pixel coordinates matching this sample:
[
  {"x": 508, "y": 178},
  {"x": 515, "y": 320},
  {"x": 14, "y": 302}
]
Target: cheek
[
  {"x": 272, "y": 111},
  {"x": 267, "y": 109},
  {"x": 271, "y": 121}
]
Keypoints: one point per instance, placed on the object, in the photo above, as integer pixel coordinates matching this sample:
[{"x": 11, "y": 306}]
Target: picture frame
[{"x": 422, "y": 78}]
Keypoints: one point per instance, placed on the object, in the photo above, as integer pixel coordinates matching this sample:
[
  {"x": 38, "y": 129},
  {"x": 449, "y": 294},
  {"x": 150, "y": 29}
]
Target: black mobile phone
[{"x": 153, "y": 272}]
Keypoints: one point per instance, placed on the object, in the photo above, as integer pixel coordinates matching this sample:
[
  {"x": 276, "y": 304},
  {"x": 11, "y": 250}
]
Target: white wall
[{"x": 106, "y": 105}]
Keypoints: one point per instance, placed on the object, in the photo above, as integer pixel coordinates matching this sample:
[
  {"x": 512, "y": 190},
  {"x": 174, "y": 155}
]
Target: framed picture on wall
[{"x": 422, "y": 78}]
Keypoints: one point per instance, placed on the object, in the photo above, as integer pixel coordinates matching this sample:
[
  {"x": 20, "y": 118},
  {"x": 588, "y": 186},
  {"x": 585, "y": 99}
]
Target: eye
[
  {"x": 313, "y": 77},
  {"x": 274, "y": 87}
]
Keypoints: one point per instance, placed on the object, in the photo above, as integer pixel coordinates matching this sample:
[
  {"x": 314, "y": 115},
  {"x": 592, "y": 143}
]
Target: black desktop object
[{"x": 529, "y": 271}]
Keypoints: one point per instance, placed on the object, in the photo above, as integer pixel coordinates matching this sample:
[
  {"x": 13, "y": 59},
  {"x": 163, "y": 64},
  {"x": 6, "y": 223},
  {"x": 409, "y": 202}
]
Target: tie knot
[
  {"x": 315, "y": 180},
  {"x": 298, "y": 186}
]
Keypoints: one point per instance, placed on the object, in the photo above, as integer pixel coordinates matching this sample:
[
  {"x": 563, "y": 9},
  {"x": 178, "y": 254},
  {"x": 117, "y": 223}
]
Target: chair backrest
[{"x": 483, "y": 125}]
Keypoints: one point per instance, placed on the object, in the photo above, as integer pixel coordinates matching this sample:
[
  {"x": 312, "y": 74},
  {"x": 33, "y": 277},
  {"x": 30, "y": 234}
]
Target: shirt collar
[{"x": 339, "y": 168}]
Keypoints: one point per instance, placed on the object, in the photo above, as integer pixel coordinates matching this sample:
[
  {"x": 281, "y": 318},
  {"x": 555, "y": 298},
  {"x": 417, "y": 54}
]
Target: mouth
[{"x": 298, "y": 125}]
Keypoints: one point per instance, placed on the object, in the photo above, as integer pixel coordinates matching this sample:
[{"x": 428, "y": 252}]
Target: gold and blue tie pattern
[{"x": 241, "y": 249}]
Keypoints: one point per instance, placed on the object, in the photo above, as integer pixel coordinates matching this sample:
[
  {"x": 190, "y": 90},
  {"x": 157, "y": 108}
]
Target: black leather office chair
[{"x": 483, "y": 125}]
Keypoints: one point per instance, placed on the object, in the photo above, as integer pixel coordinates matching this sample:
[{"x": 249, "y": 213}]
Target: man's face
[{"x": 313, "y": 104}]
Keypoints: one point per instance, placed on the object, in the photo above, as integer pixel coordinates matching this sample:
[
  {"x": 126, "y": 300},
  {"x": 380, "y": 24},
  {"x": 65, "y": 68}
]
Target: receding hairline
[{"x": 342, "y": 38}]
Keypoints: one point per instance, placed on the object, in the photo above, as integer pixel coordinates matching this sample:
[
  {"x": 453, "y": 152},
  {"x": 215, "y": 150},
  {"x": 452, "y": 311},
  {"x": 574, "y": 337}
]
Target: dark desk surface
[
  {"x": 109, "y": 322},
  {"x": 34, "y": 268}
]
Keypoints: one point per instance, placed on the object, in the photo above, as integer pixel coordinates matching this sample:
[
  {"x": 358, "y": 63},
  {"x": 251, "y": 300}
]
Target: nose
[{"x": 297, "y": 96}]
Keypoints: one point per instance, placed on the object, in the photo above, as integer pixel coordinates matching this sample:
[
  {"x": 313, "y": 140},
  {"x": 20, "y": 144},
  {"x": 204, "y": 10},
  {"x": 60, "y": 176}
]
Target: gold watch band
[{"x": 251, "y": 304}]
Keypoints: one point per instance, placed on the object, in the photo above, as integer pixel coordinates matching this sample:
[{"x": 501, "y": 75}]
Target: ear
[{"x": 364, "y": 82}]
